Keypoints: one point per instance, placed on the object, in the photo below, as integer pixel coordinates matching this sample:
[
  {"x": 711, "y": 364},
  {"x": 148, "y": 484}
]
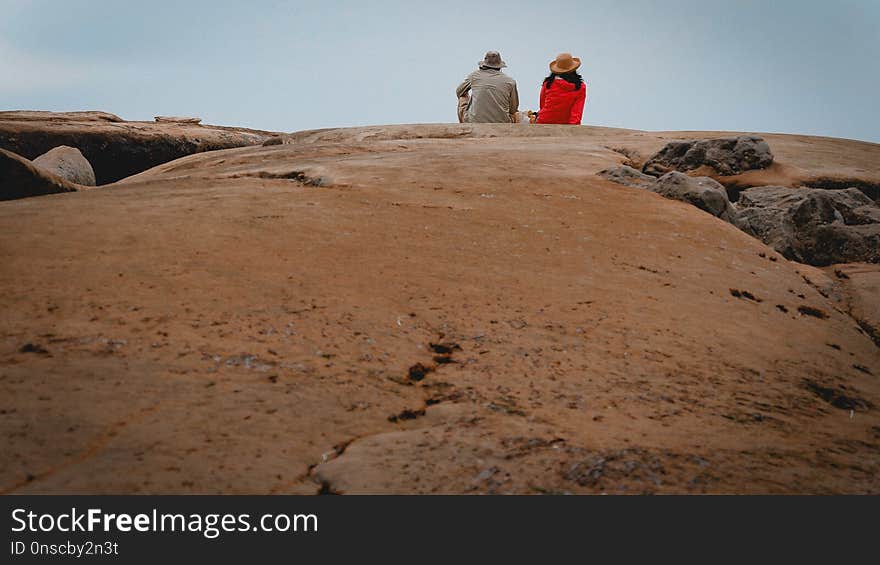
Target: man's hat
[{"x": 492, "y": 60}]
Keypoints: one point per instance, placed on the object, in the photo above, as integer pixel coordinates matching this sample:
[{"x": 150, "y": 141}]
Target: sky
[{"x": 737, "y": 65}]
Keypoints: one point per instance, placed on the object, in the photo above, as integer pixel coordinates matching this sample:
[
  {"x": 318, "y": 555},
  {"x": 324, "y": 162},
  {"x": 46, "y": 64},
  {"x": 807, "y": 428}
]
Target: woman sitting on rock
[{"x": 563, "y": 92}]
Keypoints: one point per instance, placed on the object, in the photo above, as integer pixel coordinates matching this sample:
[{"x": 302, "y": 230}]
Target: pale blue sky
[{"x": 785, "y": 66}]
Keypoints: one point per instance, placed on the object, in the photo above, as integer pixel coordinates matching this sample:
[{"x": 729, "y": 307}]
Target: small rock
[
  {"x": 33, "y": 348},
  {"x": 628, "y": 176},
  {"x": 418, "y": 371}
]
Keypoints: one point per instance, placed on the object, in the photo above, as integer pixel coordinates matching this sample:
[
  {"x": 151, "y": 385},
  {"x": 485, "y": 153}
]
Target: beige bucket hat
[{"x": 492, "y": 60}]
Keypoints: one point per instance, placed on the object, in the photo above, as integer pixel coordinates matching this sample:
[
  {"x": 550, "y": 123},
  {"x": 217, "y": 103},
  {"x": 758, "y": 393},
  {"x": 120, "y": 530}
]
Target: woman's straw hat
[{"x": 564, "y": 63}]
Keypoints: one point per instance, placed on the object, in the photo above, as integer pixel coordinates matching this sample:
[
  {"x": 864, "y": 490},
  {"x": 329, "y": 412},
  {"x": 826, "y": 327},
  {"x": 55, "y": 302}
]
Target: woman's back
[{"x": 562, "y": 102}]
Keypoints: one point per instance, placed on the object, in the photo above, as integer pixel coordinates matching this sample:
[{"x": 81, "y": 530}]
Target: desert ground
[{"x": 431, "y": 309}]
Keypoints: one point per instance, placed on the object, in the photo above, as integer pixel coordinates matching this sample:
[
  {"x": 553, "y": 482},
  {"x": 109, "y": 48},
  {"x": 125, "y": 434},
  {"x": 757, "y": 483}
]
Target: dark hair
[{"x": 571, "y": 76}]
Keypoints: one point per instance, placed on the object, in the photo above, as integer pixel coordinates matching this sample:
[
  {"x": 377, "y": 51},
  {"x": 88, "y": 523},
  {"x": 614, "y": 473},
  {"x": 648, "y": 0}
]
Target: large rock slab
[
  {"x": 67, "y": 163},
  {"x": 703, "y": 192},
  {"x": 726, "y": 155},
  {"x": 60, "y": 117},
  {"x": 19, "y": 178},
  {"x": 116, "y": 148},
  {"x": 815, "y": 226},
  {"x": 164, "y": 335},
  {"x": 178, "y": 120}
]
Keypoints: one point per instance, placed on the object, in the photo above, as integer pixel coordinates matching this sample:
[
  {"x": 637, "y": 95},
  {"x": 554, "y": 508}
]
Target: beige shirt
[{"x": 494, "y": 98}]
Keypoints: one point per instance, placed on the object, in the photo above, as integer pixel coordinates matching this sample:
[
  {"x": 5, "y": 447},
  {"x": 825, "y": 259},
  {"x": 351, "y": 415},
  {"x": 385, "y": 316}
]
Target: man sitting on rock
[{"x": 493, "y": 96}]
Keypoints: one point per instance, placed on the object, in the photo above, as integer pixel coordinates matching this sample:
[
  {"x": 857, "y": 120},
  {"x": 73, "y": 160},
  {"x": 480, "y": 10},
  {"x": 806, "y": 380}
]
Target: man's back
[{"x": 494, "y": 97}]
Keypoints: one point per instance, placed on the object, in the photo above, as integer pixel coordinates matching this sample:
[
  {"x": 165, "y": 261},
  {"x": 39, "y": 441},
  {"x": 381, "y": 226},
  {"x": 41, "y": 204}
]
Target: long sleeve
[
  {"x": 543, "y": 95},
  {"x": 463, "y": 87},
  {"x": 577, "y": 109},
  {"x": 514, "y": 101}
]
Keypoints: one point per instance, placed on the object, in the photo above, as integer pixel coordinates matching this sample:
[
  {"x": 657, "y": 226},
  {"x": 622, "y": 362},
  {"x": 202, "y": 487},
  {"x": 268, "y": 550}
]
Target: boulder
[
  {"x": 703, "y": 192},
  {"x": 67, "y": 163},
  {"x": 811, "y": 225},
  {"x": 19, "y": 178},
  {"x": 727, "y": 155},
  {"x": 628, "y": 176}
]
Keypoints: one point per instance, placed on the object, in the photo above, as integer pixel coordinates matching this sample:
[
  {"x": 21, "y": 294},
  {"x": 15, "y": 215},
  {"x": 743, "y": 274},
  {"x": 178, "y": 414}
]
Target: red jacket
[{"x": 561, "y": 103}]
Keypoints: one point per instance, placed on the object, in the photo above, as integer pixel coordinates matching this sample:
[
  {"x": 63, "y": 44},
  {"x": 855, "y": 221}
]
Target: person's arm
[
  {"x": 463, "y": 87},
  {"x": 543, "y": 96},
  {"x": 577, "y": 109},
  {"x": 514, "y": 103}
]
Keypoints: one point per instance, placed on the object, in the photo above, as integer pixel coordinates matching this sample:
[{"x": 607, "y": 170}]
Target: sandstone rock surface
[
  {"x": 58, "y": 117},
  {"x": 463, "y": 309},
  {"x": 858, "y": 286}
]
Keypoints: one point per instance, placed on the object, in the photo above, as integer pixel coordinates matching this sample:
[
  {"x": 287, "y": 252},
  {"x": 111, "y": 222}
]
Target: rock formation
[
  {"x": 703, "y": 192},
  {"x": 19, "y": 178},
  {"x": 817, "y": 226},
  {"x": 67, "y": 163},
  {"x": 813, "y": 226},
  {"x": 116, "y": 148},
  {"x": 727, "y": 155}
]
